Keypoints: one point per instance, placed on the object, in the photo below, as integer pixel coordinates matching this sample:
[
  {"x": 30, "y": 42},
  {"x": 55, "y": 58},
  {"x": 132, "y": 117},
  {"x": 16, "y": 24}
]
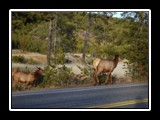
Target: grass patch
[
  {"x": 31, "y": 61},
  {"x": 22, "y": 59},
  {"x": 18, "y": 59}
]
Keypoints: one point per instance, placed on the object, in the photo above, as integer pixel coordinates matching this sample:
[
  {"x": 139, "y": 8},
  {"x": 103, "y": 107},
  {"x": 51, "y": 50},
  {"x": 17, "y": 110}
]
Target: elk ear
[{"x": 38, "y": 67}]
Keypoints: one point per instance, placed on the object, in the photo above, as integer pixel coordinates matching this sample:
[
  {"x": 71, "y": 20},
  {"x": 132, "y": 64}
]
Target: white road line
[{"x": 77, "y": 89}]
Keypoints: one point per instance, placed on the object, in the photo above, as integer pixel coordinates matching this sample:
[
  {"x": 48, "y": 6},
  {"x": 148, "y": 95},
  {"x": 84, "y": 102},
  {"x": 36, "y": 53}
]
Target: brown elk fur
[
  {"x": 106, "y": 66},
  {"x": 26, "y": 77}
]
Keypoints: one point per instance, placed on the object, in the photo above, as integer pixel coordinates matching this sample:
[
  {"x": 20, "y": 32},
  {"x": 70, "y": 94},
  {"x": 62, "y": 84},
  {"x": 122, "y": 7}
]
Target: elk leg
[
  {"x": 97, "y": 80},
  {"x": 106, "y": 82},
  {"x": 28, "y": 83},
  {"x": 108, "y": 79},
  {"x": 94, "y": 78}
]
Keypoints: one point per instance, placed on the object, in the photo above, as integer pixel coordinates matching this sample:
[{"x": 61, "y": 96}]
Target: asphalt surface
[{"x": 83, "y": 97}]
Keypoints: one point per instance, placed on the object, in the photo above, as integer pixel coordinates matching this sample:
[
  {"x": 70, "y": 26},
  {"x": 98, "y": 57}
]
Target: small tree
[
  {"x": 86, "y": 37},
  {"x": 49, "y": 42}
]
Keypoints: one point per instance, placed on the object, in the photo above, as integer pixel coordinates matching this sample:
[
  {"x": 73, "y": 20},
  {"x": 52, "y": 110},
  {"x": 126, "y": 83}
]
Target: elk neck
[{"x": 115, "y": 61}]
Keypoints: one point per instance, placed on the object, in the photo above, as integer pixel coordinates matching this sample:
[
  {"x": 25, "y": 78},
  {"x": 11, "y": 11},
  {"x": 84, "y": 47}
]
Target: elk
[
  {"x": 105, "y": 66},
  {"x": 26, "y": 77}
]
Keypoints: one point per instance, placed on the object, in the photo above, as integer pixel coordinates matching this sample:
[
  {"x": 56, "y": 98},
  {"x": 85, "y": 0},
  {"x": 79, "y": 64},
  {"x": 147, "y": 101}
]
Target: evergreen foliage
[{"x": 108, "y": 36}]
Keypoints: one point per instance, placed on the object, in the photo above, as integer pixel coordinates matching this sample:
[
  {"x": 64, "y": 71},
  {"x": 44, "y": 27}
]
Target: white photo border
[{"x": 75, "y": 10}]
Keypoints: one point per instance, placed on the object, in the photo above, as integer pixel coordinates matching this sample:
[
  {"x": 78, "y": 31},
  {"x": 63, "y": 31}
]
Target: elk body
[
  {"x": 105, "y": 66},
  {"x": 26, "y": 77}
]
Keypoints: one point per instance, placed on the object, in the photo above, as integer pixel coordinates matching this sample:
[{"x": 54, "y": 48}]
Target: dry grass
[{"x": 38, "y": 58}]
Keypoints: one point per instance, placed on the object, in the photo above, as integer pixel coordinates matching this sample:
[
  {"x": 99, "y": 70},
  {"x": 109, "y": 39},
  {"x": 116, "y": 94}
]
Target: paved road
[{"x": 109, "y": 96}]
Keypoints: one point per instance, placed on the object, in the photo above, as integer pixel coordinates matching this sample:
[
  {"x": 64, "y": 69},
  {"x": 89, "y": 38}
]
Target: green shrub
[
  {"x": 18, "y": 59},
  {"x": 86, "y": 70},
  {"x": 57, "y": 76}
]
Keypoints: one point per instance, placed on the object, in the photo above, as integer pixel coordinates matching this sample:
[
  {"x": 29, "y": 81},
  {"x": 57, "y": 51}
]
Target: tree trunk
[
  {"x": 55, "y": 35},
  {"x": 86, "y": 39},
  {"x": 49, "y": 42}
]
